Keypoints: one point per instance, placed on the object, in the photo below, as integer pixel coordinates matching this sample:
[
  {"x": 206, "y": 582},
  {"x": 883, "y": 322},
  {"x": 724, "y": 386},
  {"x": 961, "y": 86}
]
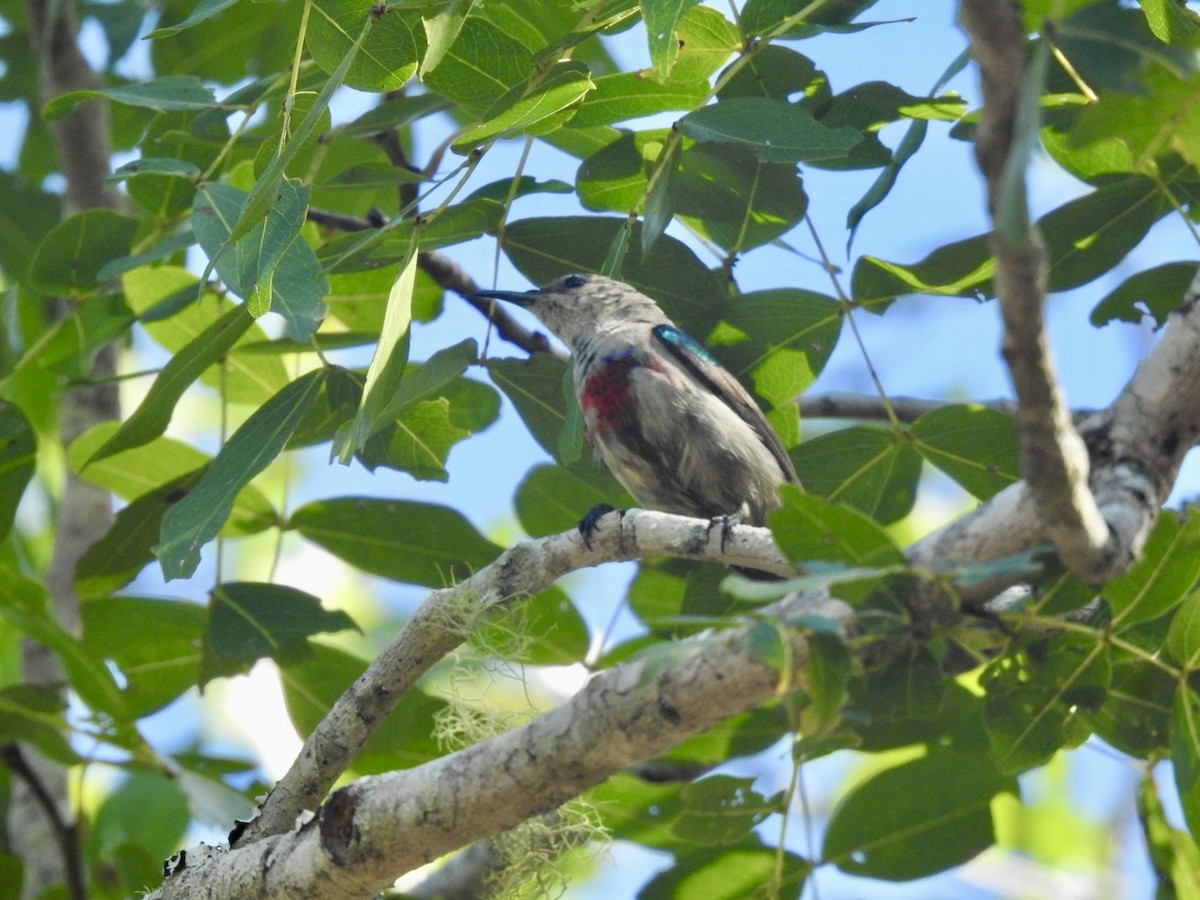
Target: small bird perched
[{"x": 673, "y": 425}]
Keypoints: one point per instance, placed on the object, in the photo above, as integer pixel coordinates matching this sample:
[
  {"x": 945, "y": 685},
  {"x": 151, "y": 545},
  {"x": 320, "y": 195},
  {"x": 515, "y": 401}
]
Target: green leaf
[
  {"x": 195, "y": 520},
  {"x": 777, "y": 341},
  {"x": 386, "y": 371},
  {"x": 153, "y": 415},
  {"x": 1155, "y": 292},
  {"x": 271, "y": 267},
  {"x": 164, "y": 661},
  {"x": 551, "y": 499},
  {"x": 1164, "y": 574},
  {"x": 407, "y": 541},
  {"x": 1170, "y": 22},
  {"x": 670, "y": 595},
  {"x": 544, "y": 630},
  {"x": 1173, "y": 852},
  {"x": 534, "y": 386},
  {"x": 18, "y": 456},
  {"x": 720, "y": 809},
  {"x": 174, "y": 312},
  {"x": 441, "y": 29},
  {"x": 205, "y": 9},
  {"x": 867, "y": 468},
  {"x": 630, "y": 95},
  {"x": 733, "y": 874},
  {"x": 170, "y": 93},
  {"x": 1185, "y": 753},
  {"x": 1136, "y": 715},
  {"x": 896, "y": 827},
  {"x": 562, "y": 88},
  {"x": 1040, "y": 700},
  {"x": 961, "y": 268},
  {"x": 387, "y": 57},
  {"x": 36, "y": 716},
  {"x": 394, "y": 113},
  {"x": 407, "y": 737},
  {"x": 809, "y": 529},
  {"x": 778, "y": 131},
  {"x": 661, "y": 18},
  {"x": 247, "y": 621},
  {"x": 726, "y": 193},
  {"x": 616, "y": 176},
  {"x": 1183, "y": 637},
  {"x": 133, "y": 474},
  {"x": 827, "y": 673},
  {"x": 69, "y": 258},
  {"x": 974, "y": 445},
  {"x": 147, "y": 165},
  {"x": 481, "y": 66},
  {"x": 659, "y": 206},
  {"x": 706, "y": 39}
]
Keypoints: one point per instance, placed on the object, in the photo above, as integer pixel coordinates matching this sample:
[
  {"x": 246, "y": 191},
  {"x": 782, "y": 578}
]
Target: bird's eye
[{"x": 572, "y": 281}]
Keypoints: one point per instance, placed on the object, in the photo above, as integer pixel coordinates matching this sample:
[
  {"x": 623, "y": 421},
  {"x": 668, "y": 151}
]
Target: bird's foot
[
  {"x": 591, "y": 521},
  {"x": 727, "y": 522}
]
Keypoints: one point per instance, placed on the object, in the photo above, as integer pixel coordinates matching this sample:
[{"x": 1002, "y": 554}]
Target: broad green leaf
[
  {"x": 779, "y": 73},
  {"x": 974, "y": 445},
  {"x": 669, "y": 595},
  {"x": 205, "y": 9},
  {"x": 1040, "y": 700},
  {"x": 1185, "y": 753},
  {"x": 1173, "y": 852},
  {"x": 394, "y": 113},
  {"x": 36, "y": 716},
  {"x": 1169, "y": 21},
  {"x": 386, "y": 371},
  {"x": 175, "y": 313},
  {"x": 27, "y": 214},
  {"x": 69, "y": 258},
  {"x": 272, "y": 251},
  {"x": 24, "y": 605},
  {"x": 1164, "y": 574},
  {"x": 1155, "y": 292},
  {"x": 69, "y": 352},
  {"x": 883, "y": 184},
  {"x": 733, "y": 874},
  {"x": 541, "y": 110},
  {"x": 706, "y": 40},
  {"x": 809, "y": 529},
  {"x": 407, "y": 737},
  {"x": 544, "y": 248},
  {"x": 195, "y": 520},
  {"x": 726, "y": 193},
  {"x": 777, "y": 341},
  {"x": 630, "y": 95},
  {"x": 662, "y": 18},
  {"x": 441, "y": 29},
  {"x": 403, "y": 540},
  {"x": 826, "y": 675},
  {"x": 163, "y": 662},
  {"x": 534, "y": 386},
  {"x": 177, "y": 168},
  {"x": 659, "y": 205},
  {"x": 387, "y": 57},
  {"x": 134, "y": 473},
  {"x": 776, "y": 130},
  {"x": 169, "y": 93},
  {"x": 1136, "y": 715},
  {"x": 895, "y": 826},
  {"x": 616, "y": 177},
  {"x": 961, "y": 268},
  {"x": 551, "y": 499},
  {"x": 18, "y": 454},
  {"x": 1183, "y": 637},
  {"x": 719, "y": 809},
  {"x": 425, "y": 431},
  {"x": 152, "y": 417},
  {"x": 867, "y": 468},
  {"x": 481, "y": 66},
  {"x": 248, "y": 620},
  {"x": 149, "y": 811}
]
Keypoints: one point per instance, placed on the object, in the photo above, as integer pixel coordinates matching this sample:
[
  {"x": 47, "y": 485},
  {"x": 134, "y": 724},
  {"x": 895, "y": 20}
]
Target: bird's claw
[
  {"x": 727, "y": 523},
  {"x": 591, "y": 521}
]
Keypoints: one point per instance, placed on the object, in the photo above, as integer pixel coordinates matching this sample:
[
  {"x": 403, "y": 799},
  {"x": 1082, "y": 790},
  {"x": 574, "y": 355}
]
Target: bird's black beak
[{"x": 521, "y": 298}]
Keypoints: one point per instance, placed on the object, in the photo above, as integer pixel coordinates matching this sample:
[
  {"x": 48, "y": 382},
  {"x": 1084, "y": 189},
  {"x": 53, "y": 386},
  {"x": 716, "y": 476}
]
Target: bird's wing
[{"x": 703, "y": 366}]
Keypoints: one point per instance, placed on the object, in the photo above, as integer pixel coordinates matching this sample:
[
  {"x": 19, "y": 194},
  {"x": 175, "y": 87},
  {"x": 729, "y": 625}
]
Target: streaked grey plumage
[{"x": 673, "y": 425}]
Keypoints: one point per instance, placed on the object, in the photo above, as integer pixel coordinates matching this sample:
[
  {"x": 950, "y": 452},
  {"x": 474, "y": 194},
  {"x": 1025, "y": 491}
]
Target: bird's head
[{"x": 575, "y": 306}]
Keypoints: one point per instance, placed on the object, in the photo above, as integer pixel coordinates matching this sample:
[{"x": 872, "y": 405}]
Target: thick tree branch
[
  {"x": 382, "y": 826},
  {"x": 1054, "y": 460},
  {"x": 448, "y": 616}
]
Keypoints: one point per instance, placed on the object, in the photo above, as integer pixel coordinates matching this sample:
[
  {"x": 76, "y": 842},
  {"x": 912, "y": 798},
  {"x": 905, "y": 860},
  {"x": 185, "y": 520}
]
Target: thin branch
[
  {"x": 381, "y": 826},
  {"x": 448, "y": 616},
  {"x": 1054, "y": 460},
  {"x": 838, "y": 405},
  {"x": 65, "y": 832},
  {"x": 450, "y": 277}
]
